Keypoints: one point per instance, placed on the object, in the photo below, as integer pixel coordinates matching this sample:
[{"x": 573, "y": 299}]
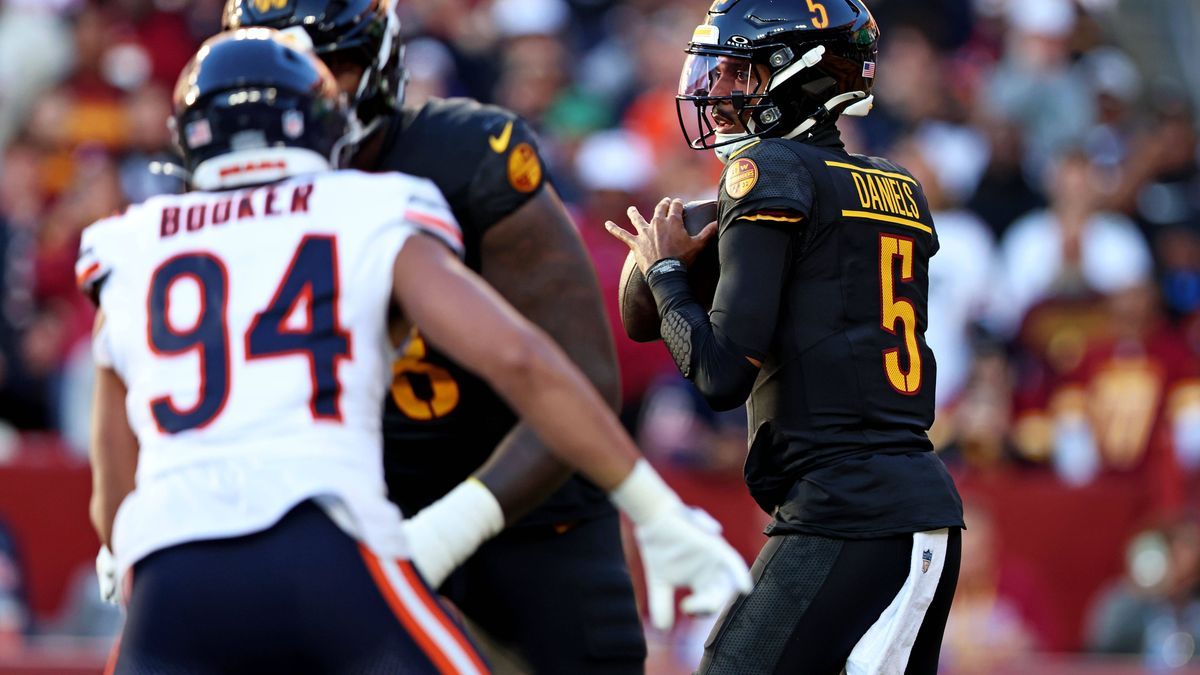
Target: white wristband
[
  {"x": 448, "y": 531},
  {"x": 643, "y": 494}
]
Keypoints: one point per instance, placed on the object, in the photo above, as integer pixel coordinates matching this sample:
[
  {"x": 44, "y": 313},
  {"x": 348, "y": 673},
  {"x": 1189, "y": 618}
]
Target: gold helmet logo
[{"x": 267, "y": 5}]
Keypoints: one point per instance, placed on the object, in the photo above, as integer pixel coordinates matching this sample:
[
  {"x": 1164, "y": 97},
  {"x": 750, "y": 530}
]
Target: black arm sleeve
[{"x": 713, "y": 349}]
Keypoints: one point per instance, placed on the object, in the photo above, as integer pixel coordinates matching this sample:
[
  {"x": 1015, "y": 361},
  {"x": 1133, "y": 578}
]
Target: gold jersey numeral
[
  {"x": 421, "y": 390},
  {"x": 896, "y": 308}
]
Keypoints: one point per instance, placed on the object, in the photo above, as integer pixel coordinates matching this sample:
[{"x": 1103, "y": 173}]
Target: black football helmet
[
  {"x": 776, "y": 68},
  {"x": 365, "y": 32},
  {"x": 251, "y": 108}
]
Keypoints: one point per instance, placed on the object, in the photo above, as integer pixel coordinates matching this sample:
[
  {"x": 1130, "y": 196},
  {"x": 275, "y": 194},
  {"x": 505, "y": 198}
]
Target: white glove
[
  {"x": 680, "y": 546},
  {"x": 445, "y": 533},
  {"x": 106, "y": 573}
]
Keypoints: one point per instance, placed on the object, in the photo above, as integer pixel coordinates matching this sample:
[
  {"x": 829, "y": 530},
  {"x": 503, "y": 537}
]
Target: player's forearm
[
  {"x": 113, "y": 453},
  {"x": 472, "y": 324},
  {"x": 535, "y": 259},
  {"x": 103, "y": 512},
  {"x": 722, "y": 372},
  {"x": 554, "y": 398},
  {"x": 721, "y": 351},
  {"x": 522, "y": 473},
  {"x": 111, "y": 484}
]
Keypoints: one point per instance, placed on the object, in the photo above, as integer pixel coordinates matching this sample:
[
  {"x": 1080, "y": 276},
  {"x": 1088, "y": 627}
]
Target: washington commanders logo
[
  {"x": 740, "y": 177},
  {"x": 268, "y": 5},
  {"x": 524, "y": 169}
]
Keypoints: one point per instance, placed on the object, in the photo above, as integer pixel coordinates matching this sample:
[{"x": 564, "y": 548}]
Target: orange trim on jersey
[
  {"x": 110, "y": 666},
  {"x": 86, "y": 275},
  {"x": 435, "y": 608},
  {"x": 778, "y": 219},
  {"x": 436, "y": 223},
  {"x": 423, "y": 639}
]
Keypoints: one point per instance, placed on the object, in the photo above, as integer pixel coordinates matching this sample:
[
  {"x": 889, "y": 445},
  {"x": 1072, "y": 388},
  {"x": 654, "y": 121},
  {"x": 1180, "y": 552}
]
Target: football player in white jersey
[{"x": 242, "y": 348}]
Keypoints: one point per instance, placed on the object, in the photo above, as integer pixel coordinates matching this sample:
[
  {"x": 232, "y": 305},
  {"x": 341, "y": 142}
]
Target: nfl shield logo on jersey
[{"x": 926, "y": 558}]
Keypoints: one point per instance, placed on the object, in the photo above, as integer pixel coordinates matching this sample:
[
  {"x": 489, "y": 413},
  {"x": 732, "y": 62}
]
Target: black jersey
[
  {"x": 441, "y": 422},
  {"x": 839, "y": 412}
]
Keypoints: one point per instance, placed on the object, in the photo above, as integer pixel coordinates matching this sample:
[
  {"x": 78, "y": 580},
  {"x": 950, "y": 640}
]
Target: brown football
[{"x": 639, "y": 313}]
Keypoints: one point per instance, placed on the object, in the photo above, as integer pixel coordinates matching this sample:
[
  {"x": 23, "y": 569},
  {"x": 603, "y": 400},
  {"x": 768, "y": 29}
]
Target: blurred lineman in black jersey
[
  {"x": 818, "y": 321},
  {"x": 441, "y": 422}
]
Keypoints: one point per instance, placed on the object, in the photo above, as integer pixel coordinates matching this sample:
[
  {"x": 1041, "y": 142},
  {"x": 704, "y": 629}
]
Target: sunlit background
[{"x": 1057, "y": 143}]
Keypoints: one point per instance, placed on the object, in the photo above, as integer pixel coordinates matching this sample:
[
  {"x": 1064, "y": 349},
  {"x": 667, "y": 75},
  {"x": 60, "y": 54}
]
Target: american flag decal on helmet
[
  {"x": 869, "y": 69},
  {"x": 198, "y": 133}
]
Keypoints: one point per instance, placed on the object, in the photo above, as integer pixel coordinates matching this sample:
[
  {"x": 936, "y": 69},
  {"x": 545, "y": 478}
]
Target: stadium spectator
[
  {"x": 1155, "y": 610},
  {"x": 23, "y": 400},
  {"x": 14, "y": 612},
  {"x": 1132, "y": 403},
  {"x": 1072, "y": 247},
  {"x": 35, "y": 51},
  {"x": 1004, "y": 191},
  {"x": 1036, "y": 85}
]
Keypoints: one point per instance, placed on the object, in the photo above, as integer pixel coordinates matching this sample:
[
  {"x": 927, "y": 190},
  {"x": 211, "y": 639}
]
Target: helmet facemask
[
  {"x": 364, "y": 33},
  {"x": 722, "y": 100},
  {"x": 379, "y": 51}
]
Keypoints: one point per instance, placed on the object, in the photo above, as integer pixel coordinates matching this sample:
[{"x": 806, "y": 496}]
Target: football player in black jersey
[
  {"x": 440, "y": 422},
  {"x": 818, "y": 320}
]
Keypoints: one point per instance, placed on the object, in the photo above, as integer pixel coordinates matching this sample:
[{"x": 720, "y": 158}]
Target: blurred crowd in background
[{"x": 1056, "y": 140}]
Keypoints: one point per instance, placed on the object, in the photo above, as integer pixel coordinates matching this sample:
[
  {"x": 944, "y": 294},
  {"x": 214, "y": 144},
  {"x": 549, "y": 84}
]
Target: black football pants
[
  {"x": 816, "y": 600},
  {"x": 559, "y": 597}
]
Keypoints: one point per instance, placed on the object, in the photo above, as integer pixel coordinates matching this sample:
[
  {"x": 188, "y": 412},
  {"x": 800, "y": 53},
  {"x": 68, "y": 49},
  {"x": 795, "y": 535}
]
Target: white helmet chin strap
[
  {"x": 859, "y": 109},
  {"x": 357, "y": 130},
  {"x": 355, "y": 133},
  {"x": 734, "y": 143}
]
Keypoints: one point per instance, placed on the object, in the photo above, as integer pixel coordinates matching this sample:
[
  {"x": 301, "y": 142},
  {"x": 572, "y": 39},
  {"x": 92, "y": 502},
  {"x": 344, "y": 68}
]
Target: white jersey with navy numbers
[{"x": 250, "y": 329}]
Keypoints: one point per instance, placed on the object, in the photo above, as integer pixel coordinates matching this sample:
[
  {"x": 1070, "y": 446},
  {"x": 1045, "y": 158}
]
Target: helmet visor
[
  {"x": 717, "y": 95},
  {"x": 706, "y": 75}
]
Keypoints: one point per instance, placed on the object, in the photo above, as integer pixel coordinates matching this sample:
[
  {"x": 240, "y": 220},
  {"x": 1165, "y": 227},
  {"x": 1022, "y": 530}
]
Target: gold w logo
[{"x": 265, "y": 5}]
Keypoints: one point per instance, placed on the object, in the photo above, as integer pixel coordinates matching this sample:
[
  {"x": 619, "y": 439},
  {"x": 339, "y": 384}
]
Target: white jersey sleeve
[
  {"x": 426, "y": 210},
  {"x": 100, "y": 250}
]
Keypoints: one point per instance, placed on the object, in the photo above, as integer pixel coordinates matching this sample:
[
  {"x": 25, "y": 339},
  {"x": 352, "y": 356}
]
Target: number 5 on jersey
[
  {"x": 311, "y": 279},
  {"x": 898, "y": 309}
]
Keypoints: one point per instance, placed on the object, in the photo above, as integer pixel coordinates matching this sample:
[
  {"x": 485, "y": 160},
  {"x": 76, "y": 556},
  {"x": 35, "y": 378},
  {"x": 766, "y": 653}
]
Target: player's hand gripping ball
[{"x": 639, "y": 313}]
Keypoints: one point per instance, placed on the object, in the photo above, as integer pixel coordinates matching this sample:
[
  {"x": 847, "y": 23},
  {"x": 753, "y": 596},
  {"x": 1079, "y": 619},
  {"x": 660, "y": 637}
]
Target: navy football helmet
[
  {"x": 252, "y": 108},
  {"x": 776, "y": 69},
  {"x": 364, "y": 32}
]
